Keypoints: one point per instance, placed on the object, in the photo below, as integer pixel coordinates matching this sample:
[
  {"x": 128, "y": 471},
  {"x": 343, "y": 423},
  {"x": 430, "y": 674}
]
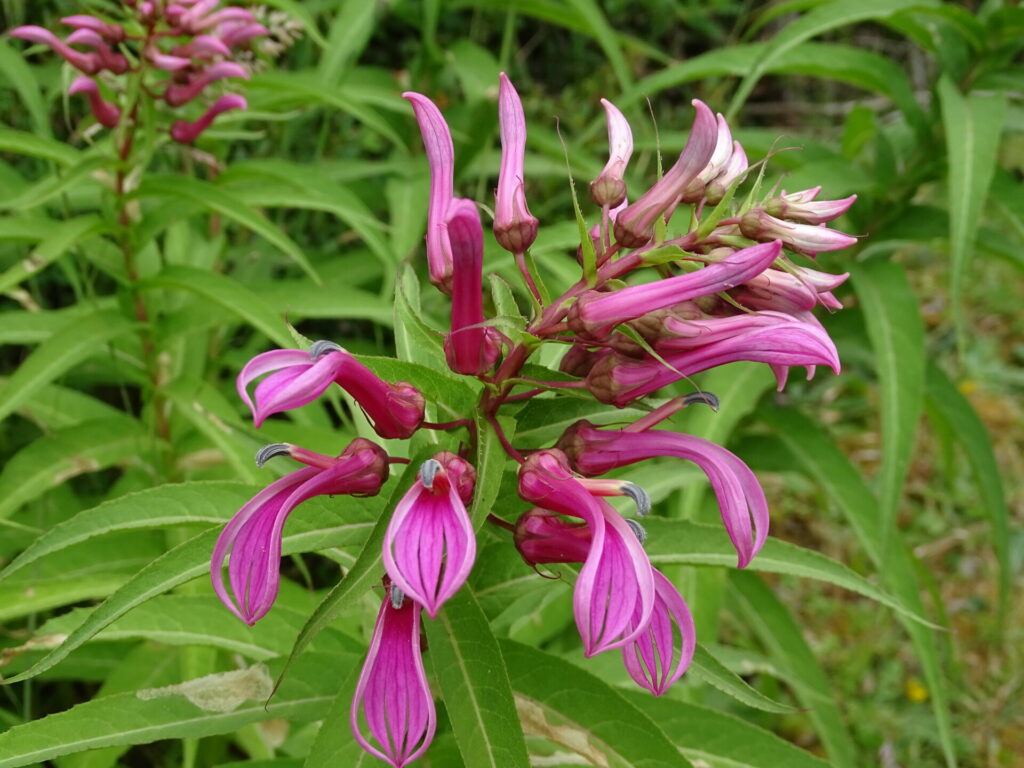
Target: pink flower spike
[
  {"x": 515, "y": 228},
  {"x": 437, "y": 140},
  {"x": 89, "y": 63},
  {"x": 635, "y": 225},
  {"x": 740, "y": 497},
  {"x": 794, "y": 207},
  {"x": 253, "y": 535},
  {"x": 609, "y": 188},
  {"x": 182, "y": 93},
  {"x": 596, "y": 313},
  {"x": 430, "y": 545},
  {"x": 112, "y": 33},
  {"x": 392, "y": 694},
  {"x": 470, "y": 348},
  {"x": 655, "y": 660},
  {"x": 106, "y": 114},
  {"x": 185, "y": 132}
]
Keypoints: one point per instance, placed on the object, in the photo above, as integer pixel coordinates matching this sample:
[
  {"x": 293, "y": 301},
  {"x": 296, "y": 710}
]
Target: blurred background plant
[{"x": 304, "y": 207}]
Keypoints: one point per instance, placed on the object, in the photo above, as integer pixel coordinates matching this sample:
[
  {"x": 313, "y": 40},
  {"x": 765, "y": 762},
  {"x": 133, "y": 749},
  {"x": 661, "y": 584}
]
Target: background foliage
[{"x": 125, "y": 448}]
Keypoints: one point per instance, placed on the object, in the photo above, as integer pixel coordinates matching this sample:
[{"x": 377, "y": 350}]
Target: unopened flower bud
[
  {"x": 515, "y": 228},
  {"x": 609, "y": 188}
]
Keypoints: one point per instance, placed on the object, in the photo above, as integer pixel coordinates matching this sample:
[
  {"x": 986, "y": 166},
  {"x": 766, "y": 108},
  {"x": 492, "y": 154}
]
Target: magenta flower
[
  {"x": 743, "y": 505},
  {"x": 106, "y": 114},
  {"x": 185, "y": 132},
  {"x": 799, "y": 206},
  {"x": 470, "y": 348},
  {"x": 546, "y": 537},
  {"x": 203, "y": 47},
  {"x": 616, "y": 580},
  {"x": 515, "y": 228},
  {"x": 253, "y": 535},
  {"x": 800, "y": 290},
  {"x": 596, "y": 313},
  {"x": 233, "y": 35},
  {"x": 89, "y": 63},
  {"x": 635, "y": 225},
  {"x": 430, "y": 545},
  {"x": 437, "y": 140},
  {"x": 655, "y": 660},
  {"x": 609, "y": 188},
  {"x": 297, "y": 378},
  {"x": 757, "y": 224},
  {"x": 392, "y": 694},
  {"x": 112, "y": 33},
  {"x": 182, "y": 93}
]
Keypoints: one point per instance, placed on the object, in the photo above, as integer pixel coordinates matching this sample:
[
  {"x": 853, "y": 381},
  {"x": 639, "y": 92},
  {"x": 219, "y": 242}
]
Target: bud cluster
[{"x": 169, "y": 51}]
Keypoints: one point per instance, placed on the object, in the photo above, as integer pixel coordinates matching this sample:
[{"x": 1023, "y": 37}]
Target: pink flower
[
  {"x": 799, "y": 290},
  {"x": 515, "y": 228},
  {"x": 609, "y": 188},
  {"x": 253, "y": 535},
  {"x": 596, "y": 313},
  {"x": 616, "y": 580},
  {"x": 106, "y": 114},
  {"x": 393, "y": 695},
  {"x": 798, "y": 206},
  {"x": 112, "y": 33},
  {"x": 635, "y": 225},
  {"x": 430, "y": 545},
  {"x": 470, "y": 348},
  {"x": 234, "y": 35},
  {"x": 182, "y": 93},
  {"x": 655, "y": 660},
  {"x": 437, "y": 140},
  {"x": 297, "y": 378},
  {"x": 744, "y": 509},
  {"x": 89, "y": 63},
  {"x": 733, "y": 169},
  {"x": 115, "y": 62},
  {"x": 694, "y": 191},
  {"x": 757, "y": 224},
  {"x": 185, "y": 132}
]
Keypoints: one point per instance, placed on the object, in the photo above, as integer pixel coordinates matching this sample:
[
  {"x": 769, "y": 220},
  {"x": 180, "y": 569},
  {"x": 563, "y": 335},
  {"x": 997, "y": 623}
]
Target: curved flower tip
[
  {"x": 515, "y": 228},
  {"x": 89, "y": 63},
  {"x": 393, "y": 697},
  {"x": 294, "y": 380},
  {"x": 655, "y": 660},
  {"x": 253, "y": 535},
  {"x": 609, "y": 188},
  {"x": 437, "y": 141},
  {"x": 430, "y": 545},
  {"x": 106, "y": 114}
]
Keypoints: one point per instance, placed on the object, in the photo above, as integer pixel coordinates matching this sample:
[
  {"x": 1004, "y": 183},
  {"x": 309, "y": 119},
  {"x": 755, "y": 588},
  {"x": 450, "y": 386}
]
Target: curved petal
[{"x": 655, "y": 660}]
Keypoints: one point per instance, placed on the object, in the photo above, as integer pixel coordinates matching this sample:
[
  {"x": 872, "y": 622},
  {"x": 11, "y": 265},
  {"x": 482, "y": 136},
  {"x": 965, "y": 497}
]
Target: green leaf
[
  {"x": 58, "y": 240},
  {"x": 72, "y": 344},
  {"x": 715, "y": 673},
  {"x": 578, "y": 711},
  {"x": 955, "y": 410},
  {"x": 597, "y": 25},
  {"x": 21, "y": 600},
  {"x": 230, "y": 294},
  {"x": 225, "y": 203},
  {"x": 839, "y": 13},
  {"x": 53, "y": 407},
  {"x": 475, "y": 686},
  {"x": 19, "y": 75},
  {"x": 782, "y": 637},
  {"x": 215, "y": 704},
  {"x": 720, "y": 739},
  {"x": 35, "y": 145},
  {"x": 49, "y": 187},
  {"x": 56, "y": 458},
  {"x": 452, "y": 392},
  {"x": 896, "y": 331},
  {"x": 350, "y": 32},
  {"x": 973, "y": 126},
  {"x": 490, "y": 462}
]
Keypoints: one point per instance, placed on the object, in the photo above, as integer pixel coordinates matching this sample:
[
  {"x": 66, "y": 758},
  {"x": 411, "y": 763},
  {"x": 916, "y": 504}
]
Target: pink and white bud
[
  {"x": 694, "y": 191},
  {"x": 635, "y": 225},
  {"x": 757, "y": 224},
  {"x": 470, "y": 348},
  {"x": 734, "y": 169},
  {"x": 515, "y": 228},
  {"x": 185, "y": 132},
  {"x": 609, "y": 188},
  {"x": 801, "y": 290},
  {"x": 437, "y": 140},
  {"x": 106, "y": 114},
  {"x": 795, "y": 207}
]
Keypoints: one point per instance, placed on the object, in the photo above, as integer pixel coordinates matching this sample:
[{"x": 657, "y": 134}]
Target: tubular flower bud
[
  {"x": 430, "y": 546},
  {"x": 106, "y": 114},
  {"x": 545, "y": 537},
  {"x": 470, "y": 348},
  {"x": 115, "y": 62},
  {"x": 757, "y": 224},
  {"x": 595, "y": 314},
  {"x": 253, "y": 535},
  {"x": 185, "y": 132},
  {"x": 112, "y": 33},
  {"x": 609, "y": 188},
  {"x": 182, "y": 93},
  {"x": 742, "y": 502},
  {"x": 736, "y": 167},
  {"x": 437, "y": 140},
  {"x": 635, "y": 225},
  {"x": 238, "y": 34},
  {"x": 202, "y": 47},
  {"x": 798, "y": 206},
  {"x": 393, "y": 695},
  {"x": 694, "y": 191},
  {"x": 89, "y": 63},
  {"x": 791, "y": 292},
  {"x": 515, "y": 228}
]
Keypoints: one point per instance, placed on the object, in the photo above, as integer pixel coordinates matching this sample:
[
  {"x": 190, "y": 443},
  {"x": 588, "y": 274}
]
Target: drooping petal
[
  {"x": 296, "y": 381},
  {"x": 185, "y": 132},
  {"x": 106, "y": 114},
  {"x": 655, "y": 660},
  {"x": 392, "y": 694}
]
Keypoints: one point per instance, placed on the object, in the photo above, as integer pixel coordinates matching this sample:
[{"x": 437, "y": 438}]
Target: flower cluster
[
  {"x": 726, "y": 291},
  {"x": 170, "y": 51}
]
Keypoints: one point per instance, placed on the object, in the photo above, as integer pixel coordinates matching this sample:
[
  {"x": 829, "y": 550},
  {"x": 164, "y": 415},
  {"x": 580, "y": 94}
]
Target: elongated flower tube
[
  {"x": 470, "y": 348},
  {"x": 88, "y": 63},
  {"x": 185, "y": 132},
  {"x": 233, "y": 35},
  {"x": 609, "y": 188},
  {"x": 542, "y": 536},
  {"x": 112, "y": 33},
  {"x": 796, "y": 291},
  {"x": 596, "y": 313},
  {"x": 616, "y": 580},
  {"x": 635, "y": 225},
  {"x": 655, "y": 660},
  {"x": 392, "y": 695},
  {"x": 515, "y": 228},
  {"x": 757, "y": 224},
  {"x": 430, "y": 546},
  {"x": 297, "y": 378},
  {"x": 115, "y": 62},
  {"x": 106, "y": 114},
  {"x": 437, "y": 141},
  {"x": 741, "y": 500},
  {"x": 178, "y": 94},
  {"x": 253, "y": 535},
  {"x": 800, "y": 207}
]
